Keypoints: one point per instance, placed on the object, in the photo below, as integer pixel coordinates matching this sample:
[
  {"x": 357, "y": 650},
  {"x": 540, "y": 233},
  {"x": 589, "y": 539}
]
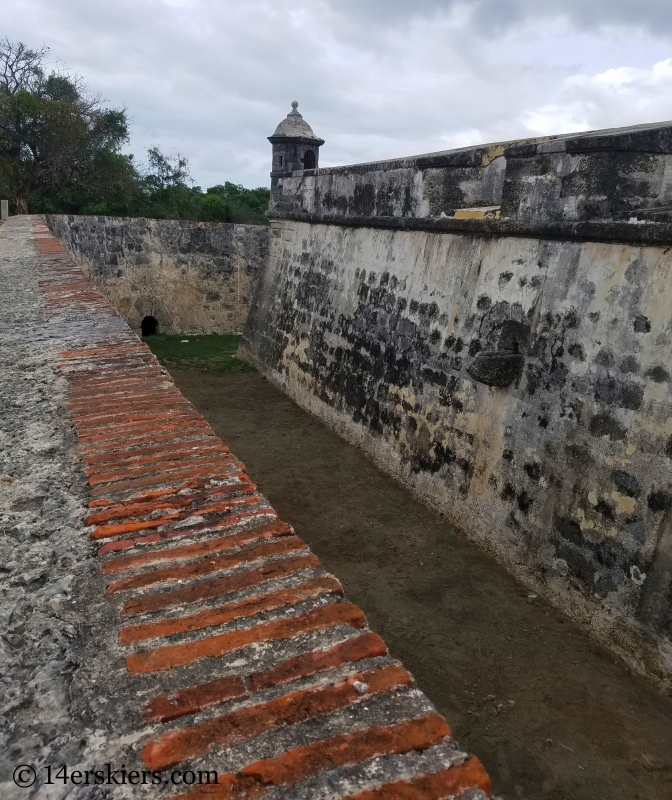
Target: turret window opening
[
  {"x": 280, "y": 157},
  {"x": 309, "y": 160}
]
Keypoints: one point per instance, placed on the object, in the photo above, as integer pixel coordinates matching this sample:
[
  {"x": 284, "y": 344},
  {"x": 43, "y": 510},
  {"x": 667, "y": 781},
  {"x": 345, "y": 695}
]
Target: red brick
[
  {"x": 126, "y": 407},
  {"x": 147, "y": 496},
  {"x": 108, "y": 387},
  {"x": 113, "y": 439},
  {"x": 170, "y": 534},
  {"x": 224, "y": 507},
  {"x": 196, "y": 698},
  {"x": 274, "y": 529},
  {"x": 176, "y": 655},
  {"x": 127, "y": 418},
  {"x": 227, "y": 584},
  {"x": 188, "y": 701},
  {"x": 185, "y": 450},
  {"x": 182, "y": 507},
  {"x": 129, "y": 410},
  {"x": 86, "y": 352},
  {"x": 107, "y": 531},
  {"x": 206, "y": 566},
  {"x": 369, "y": 645},
  {"x": 441, "y": 785},
  {"x": 348, "y": 748},
  {"x": 196, "y": 439},
  {"x": 174, "y": 502},
  {"x": 224, "y": 731},
  {"x": 195, "y": 461},
  {"x": 226, "y": 613},
  {"x": 213, "y": 469},
  {"x": 120, "y": 430}
]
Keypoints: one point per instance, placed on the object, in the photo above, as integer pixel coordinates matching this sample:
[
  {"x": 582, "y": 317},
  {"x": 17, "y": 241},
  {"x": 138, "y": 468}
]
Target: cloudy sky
[{"x": 375, "y": 78}]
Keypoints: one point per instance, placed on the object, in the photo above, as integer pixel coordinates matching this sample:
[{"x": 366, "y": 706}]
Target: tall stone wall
[
  {"x": 192, "y": 277},
  {"x": 513, "y": 372}
]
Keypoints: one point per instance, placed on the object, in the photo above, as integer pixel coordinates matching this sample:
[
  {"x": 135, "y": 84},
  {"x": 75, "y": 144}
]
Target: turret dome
[{"x": 295, "y": 125}]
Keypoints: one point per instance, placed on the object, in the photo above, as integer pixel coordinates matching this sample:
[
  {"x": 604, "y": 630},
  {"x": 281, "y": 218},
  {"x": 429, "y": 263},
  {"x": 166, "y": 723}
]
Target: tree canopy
[{"x": 60, "y": 152}]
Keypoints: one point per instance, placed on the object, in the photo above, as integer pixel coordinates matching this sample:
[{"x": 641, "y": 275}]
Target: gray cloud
[
  {"x": 212, "y": 78},
  {"x": 501, "y": 15}
]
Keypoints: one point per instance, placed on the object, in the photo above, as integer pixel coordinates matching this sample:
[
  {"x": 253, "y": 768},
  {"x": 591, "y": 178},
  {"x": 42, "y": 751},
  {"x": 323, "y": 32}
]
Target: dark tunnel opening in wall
[{"x": 149, "y": 326}]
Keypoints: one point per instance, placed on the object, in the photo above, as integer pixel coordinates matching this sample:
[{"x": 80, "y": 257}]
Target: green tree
[
  {"x": 243, "y": 205},
  {"x": 55, "y": 138},
  {"x": 214, "y": 209}
]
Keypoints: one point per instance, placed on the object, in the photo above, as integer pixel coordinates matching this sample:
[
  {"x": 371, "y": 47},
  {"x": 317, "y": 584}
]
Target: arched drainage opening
[{"x": 149, "y": 326}]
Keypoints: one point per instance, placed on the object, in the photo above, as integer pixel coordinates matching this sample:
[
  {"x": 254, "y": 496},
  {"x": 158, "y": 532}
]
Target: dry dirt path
[{"x": 551, "y": 714}]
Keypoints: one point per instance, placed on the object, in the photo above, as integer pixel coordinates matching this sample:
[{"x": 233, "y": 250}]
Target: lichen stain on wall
[{"x": 565, "y": 475}]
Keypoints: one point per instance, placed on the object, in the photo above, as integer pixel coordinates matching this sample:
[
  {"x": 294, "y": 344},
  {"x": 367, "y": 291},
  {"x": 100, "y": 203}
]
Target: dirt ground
[{"x": 552, "y": 715}]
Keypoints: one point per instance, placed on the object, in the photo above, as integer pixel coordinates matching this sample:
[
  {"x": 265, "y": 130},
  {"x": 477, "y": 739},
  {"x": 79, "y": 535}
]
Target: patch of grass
[{"x": 207, "y": 352}]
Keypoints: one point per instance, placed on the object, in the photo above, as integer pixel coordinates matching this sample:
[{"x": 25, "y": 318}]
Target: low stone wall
[
  {"x": 192, "y": 277},
  {"x": 519, "y": 385}
]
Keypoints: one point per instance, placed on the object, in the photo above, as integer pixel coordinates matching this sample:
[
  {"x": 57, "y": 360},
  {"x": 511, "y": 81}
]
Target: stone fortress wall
[
  {"x": 192, "y": 277},
  {"x": 492, "y": 325}
]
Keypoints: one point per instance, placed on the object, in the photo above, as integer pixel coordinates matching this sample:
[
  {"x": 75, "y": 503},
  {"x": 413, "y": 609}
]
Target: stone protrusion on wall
[
  {"x": 191, "y": 277},
  {"x": 236, "y": 651}
]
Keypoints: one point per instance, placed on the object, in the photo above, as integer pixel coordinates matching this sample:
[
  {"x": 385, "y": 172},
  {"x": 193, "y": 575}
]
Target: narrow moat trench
[{"x": 551, "y": 714}]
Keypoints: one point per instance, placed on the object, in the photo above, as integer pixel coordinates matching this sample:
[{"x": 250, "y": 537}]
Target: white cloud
[{"x": 617, "y": 96}]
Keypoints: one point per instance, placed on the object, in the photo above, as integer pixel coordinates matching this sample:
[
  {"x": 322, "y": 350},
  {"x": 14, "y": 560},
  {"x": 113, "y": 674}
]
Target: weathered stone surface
[
  {"x": 614, "y": 175},
  {"x": 192, "y": 277},
  {"x": 565, "y": 473}
]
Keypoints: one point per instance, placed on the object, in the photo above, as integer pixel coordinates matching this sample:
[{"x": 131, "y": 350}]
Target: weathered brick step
[
  {"x": 437, "y": 786},
  {"x": 120, "y": 389},
  {"x": 164, "y": 521},
  {"x": 214, "y": 469},
  {"x": 211, "y": 563},
  {"x": 208, "y": 579},
  {"x": 261, "y": 515},
  {"x": 217, "y": 587},
  {"x": 129, "y": 416},
  {"x": 249, "y": 606},
  {"x": 90, "y": 412},
  {"x": 146, "y": 461},
  {"x": 203, "y": 547},
  {"x": 146, "y": 496},
  {"x": 192, "y": 500},
  {"x": 168, "y": 520},
  {"x": 348, "y": 748},
  {"x": 113, "y": 439},
  {"x": 179, "y": 745},
  {"x": 128, "y": 455},
  {"x": 176, "y": 655},
  {"x": 145, "y": 424}
]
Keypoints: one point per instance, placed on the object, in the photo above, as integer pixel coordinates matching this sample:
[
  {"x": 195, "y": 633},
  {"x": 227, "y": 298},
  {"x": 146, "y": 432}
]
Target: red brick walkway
[{"x": 255, "y": 657}]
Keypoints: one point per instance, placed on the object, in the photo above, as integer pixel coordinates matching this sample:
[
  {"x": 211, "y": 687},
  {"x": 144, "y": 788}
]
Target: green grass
[{"x": 208, "y": 352}]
